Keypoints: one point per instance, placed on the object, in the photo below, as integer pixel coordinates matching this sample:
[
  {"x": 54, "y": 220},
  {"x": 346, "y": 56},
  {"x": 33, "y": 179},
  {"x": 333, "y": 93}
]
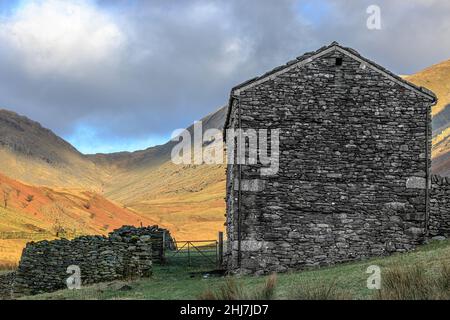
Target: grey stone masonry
[
  {"x": 6, "y": 281},
  {"x": 125, "y": 254},
  {"x": 43, "y": 266},
  {"x": 440, "y": 206},
  {"x": 160, "y": 239},
  {"x": 354, "y": 154}
]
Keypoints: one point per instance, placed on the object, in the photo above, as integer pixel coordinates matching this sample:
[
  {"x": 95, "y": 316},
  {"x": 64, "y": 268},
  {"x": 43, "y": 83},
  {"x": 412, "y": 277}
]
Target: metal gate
[{"x": 196, "y": 253}]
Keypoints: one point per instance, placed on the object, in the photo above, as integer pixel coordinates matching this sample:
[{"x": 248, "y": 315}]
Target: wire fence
[
  {"x": 44, "y": 235},
  {"x": 24, "y": 235}
]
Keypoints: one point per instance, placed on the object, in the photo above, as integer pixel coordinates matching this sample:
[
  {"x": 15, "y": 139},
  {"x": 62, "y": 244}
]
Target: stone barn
[{"x": 354, "y": 164}]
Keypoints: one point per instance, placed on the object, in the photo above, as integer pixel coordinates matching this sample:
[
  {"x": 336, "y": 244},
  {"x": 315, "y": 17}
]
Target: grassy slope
[
  {"x": 187, "y": 199},
  {"x": 175, "y": 282},
  {"x": 35, "y": 155},
  {"x": 80, "y": 174},
  {"x": 10, "y": 252}
]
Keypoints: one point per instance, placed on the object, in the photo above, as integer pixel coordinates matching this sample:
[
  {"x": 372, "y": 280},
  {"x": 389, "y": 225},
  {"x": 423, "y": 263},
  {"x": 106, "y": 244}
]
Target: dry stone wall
[
  {"x": 440, "y": 206},
  {"x": 43, "y": 266},
  {"x": 160, "y": 239},
  {"x": 6, "y": 281},
  {"x": 125, "y": 253}
]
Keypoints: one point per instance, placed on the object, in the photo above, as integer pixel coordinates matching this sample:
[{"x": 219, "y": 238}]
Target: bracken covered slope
[{"x": 34, "y": 213}]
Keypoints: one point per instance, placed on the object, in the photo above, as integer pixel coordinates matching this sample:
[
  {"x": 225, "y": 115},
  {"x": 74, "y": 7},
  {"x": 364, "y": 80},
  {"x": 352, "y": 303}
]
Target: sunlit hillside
[
  {"x": 187, "y": 199},
  {"x": 35, "y": 155},
  {"x": 437, "y": 79},
  {"x": 92, "y": 194},
  {"x": 36, "y": 213}
]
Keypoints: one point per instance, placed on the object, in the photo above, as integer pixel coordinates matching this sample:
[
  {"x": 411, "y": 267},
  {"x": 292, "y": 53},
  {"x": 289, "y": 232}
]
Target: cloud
[
  {"x": 61, "y": 38},
  {"x": 414, "y": 33},
  {"x": 129, "y": 70}
]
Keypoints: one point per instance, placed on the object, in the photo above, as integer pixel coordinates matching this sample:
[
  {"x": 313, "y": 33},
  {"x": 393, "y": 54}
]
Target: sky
[{"x": 113, "y": 75}]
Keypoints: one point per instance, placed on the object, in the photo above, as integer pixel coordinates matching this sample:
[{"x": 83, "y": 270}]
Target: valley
[{"x": 48, "y": 185}]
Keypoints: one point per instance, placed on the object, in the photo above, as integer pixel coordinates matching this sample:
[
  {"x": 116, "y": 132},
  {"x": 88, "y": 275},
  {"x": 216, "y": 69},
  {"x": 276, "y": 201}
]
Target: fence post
[{"x": 220, "y": 249}]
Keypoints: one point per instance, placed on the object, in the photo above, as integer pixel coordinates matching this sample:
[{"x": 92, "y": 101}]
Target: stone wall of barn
[
  {"x": 230, "y": 255},
  {"x": 440, "y": 207},
  {"x": 353, "y": 166}
]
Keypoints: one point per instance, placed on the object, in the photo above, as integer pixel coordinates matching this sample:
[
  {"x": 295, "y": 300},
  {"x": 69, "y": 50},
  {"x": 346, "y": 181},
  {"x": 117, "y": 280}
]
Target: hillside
[
  {"x": 186, "y": 199},
  {"x": 30, "y": 213},
  {"x": 437, "y": 79},
  {"x": 43, "y": 209},
  {"x": 34, "y": 154}
]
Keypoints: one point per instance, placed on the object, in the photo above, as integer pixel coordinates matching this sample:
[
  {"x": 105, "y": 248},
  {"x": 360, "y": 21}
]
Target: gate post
[
  {"x": 189, "y": 253},
  {"x": 163, "y": 256},
  {"x": 220, "y": 249}
]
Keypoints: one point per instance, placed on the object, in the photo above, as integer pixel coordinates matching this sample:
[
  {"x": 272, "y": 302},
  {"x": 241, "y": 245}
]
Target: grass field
[{"x": 176, "y": 281}]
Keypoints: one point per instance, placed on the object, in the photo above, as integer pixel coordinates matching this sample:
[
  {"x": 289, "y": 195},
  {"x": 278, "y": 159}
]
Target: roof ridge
[
  {"x": 380, "y": 67},
  {"x": 310, "y": 54},
  {"x": 287, "y": 64}
]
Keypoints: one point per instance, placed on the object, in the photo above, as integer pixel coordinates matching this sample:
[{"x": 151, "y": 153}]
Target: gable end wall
[{"x": 353, "y": 162}]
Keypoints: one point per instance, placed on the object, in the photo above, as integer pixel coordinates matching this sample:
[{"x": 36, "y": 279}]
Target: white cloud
[{"x": 61, "y": 37}]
